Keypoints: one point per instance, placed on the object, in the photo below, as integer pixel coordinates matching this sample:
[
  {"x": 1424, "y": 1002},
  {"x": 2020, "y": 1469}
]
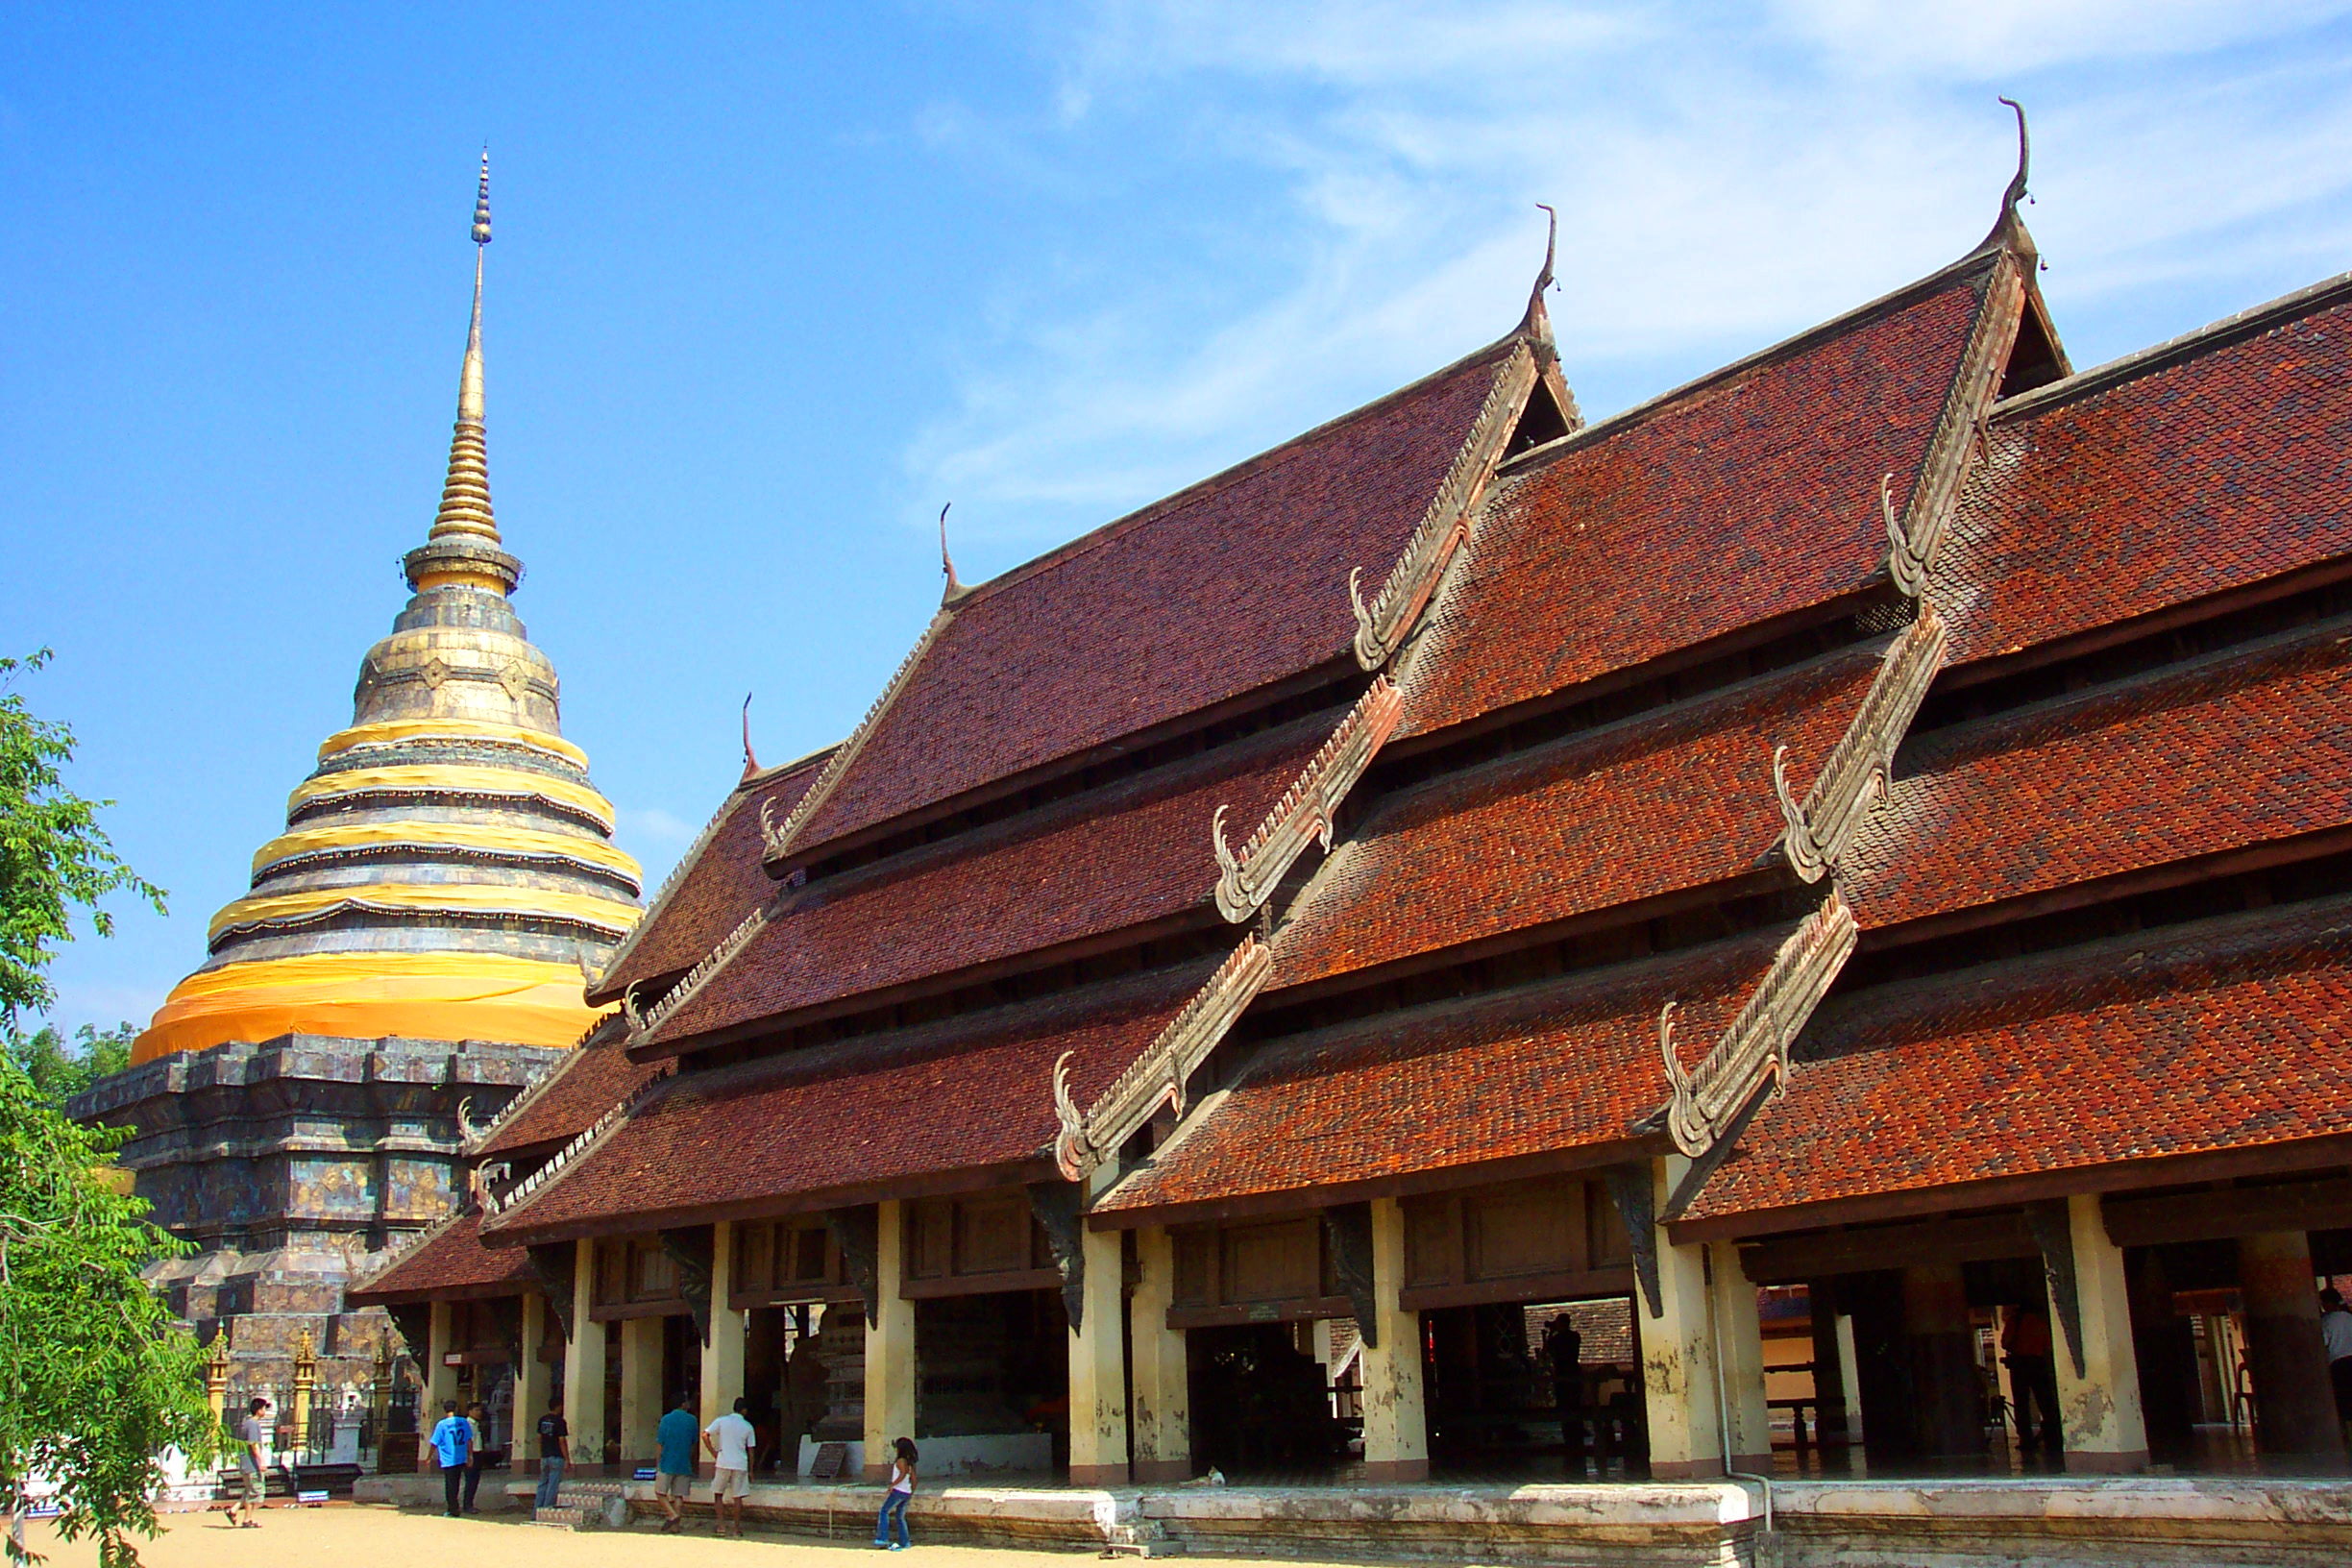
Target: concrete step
[{"x": 560, "y": 1518}]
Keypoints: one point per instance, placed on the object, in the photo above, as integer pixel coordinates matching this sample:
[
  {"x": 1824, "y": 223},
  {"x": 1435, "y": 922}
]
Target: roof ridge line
[
  {"x": 537, "y": 1090},
  {"x": 2230, "y": 330},
  {"x": 1846, "y": 321},
  {"x": 775, "y": 839},
  {"x": 570, "y": 1155},
  {"x": 1272, "y": 457}
]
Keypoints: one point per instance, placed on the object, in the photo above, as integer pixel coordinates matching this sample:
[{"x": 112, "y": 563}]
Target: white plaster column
[
  {"x": 2099, "y": 1407},
  {"x": 584, "y": 1363},
  {"x": 723, "y": 1358},
  {"x": 1676, "y": 1351},
  {"x": 1395, "y": 1426},
  {"x": 1161, "y": 1389},
  {"x": 532, "y": 1382},
  {"x": 1098, "y": 1368},
  {"x": 1740, "y": 1333},
  {"x": 641, "y": 1388},
  {"x": 890, "y": 1345},
  {"x": 440, "y": 1378}
]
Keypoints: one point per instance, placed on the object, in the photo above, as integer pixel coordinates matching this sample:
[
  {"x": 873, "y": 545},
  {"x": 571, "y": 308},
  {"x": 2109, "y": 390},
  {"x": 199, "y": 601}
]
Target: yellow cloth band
[
  {"x": 431, "y": 995},
  {"x": 450, "y": 778},
  {"x": 486, "y": 836},
  {"x": 460, "y": 897},
  {"x": 397, "y": 732}
]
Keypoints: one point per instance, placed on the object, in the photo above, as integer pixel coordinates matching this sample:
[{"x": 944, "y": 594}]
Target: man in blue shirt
[
  {"x": 676, "y": 1435},
  {"x": 453, "y": 1445}
]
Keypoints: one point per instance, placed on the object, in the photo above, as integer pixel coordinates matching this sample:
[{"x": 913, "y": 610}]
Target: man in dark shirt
[{"x": 554, "y": 1452}]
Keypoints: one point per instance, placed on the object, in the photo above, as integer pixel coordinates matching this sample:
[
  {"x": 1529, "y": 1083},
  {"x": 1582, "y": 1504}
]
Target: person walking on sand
[
  {"x": 675, "y": 1473},
  {"x": 453, "y": 1445},
  {"x": 894, "y": 1501},
  {"x": 252, "y": 1435},
  {"x": 554, "y": 1453},
  {"x": 729, "y": 1439}
]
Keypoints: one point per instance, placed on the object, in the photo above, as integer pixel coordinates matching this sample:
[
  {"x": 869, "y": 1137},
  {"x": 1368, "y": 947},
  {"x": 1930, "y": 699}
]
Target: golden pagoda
[{"x": 448, "y": 870}]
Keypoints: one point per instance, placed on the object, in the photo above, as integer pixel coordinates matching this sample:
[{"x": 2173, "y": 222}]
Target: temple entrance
[
  {"x": 1546, "y": 1388},
  {"x": 1266, "y": 1406},
  {"x": 992, "y": 1378}
]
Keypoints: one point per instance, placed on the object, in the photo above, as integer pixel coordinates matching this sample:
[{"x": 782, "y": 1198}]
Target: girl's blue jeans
[{"x": 893, "y": 1514}]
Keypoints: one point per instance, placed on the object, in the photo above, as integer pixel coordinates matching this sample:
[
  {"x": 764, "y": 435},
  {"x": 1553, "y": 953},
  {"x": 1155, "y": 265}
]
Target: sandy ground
[{"x": 351, "y": 1537}]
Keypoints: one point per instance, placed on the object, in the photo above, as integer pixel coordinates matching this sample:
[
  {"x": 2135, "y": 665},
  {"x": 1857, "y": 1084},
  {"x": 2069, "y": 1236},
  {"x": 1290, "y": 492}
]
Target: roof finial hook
[
  {"x": 955, "y": 589},
  {"x": 1543, "y": 279},
  {"x": 750, "y": 760},
  {"x": 2017, "y": 183}
]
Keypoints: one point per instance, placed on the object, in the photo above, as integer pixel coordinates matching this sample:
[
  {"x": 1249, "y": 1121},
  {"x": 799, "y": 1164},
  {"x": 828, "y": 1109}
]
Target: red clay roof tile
[
  {"x": 1649, "y": 805},
  {"x": 1096, "y": 863},
  {"x": 581, "y": 1087},
  {"x": 450, "y": 1261},
  {"x": 717, "y": 884},
  {"x": 1751, "y": 494},
  {"x": 968, "y": 1094},
  {"x": 1529, "y": 1071},
  {"x": 2205, "y": 472},
  {"x": 2218, "y": 756},
  {"x": 2225, "y": 1036},
  {"x": 1232, "y": 585}
]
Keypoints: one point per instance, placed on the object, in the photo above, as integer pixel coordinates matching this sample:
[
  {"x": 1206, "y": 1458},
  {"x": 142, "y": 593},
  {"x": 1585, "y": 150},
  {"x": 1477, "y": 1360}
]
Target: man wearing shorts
[
  {"x": 674, "y": 1472},
  {"x": 731, "y": 1439},
  {"x": 253, "y": 1434}
]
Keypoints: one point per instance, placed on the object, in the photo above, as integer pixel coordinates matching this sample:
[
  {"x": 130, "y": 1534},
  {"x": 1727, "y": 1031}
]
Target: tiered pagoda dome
[{"x": 448, "y": 870}]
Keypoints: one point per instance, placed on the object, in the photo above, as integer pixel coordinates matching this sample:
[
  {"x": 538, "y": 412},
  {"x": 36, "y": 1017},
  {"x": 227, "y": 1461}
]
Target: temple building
[
  {"x": 1785, "y": 927},
  {"x": 411, "y": 955}
]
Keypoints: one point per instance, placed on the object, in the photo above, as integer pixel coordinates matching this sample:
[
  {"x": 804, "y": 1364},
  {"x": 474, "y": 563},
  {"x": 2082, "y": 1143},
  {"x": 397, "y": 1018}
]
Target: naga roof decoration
[
  {"x": 1158, "y": 1076},
  {"x": 1708, "y": 1098},
  {"x": 1305, "y": 812},
  {"x": 1856, "y": 774},
  {"x": 643, "y": 1021},
  {"x": 586, "y": 1139},
  {"x": 600, "y": 1034},
  {"x": 777, "y": 838},
  {"x": 1381, "y": 627}
]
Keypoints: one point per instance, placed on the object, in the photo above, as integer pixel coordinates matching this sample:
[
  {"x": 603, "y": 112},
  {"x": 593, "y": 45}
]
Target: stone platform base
[{"x": 2054, "y": 1522}]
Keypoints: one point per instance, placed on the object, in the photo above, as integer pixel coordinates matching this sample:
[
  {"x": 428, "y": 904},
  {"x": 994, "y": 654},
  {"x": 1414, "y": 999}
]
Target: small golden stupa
[{"x": 448, "y": 869}]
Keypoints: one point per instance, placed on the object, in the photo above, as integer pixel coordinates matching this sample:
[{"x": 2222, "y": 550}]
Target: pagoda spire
[{"x": 462, "y": 546}]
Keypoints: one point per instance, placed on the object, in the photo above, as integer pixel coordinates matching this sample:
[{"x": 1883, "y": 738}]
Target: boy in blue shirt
[
  {"x": 676, "y": 1434},
  {"x": 453, "y": 1445}
]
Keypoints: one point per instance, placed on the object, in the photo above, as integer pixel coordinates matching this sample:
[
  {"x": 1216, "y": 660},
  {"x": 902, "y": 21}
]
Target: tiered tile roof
[
  {"x": 584, "y": 1085},
  {"x": 2197, "y": 468},
  {"x": 2226, "y": 1036},
  {"x": 2228, "y": 752},
  {"x": 970, "y": 1097},
  {"x": 1537, "y": 1071},
  {"x": 450, "y": 1263}
]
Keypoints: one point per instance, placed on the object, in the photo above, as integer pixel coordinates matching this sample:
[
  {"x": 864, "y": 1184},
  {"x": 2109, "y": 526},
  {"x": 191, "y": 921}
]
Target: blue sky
[{"x": 771, "y": 283}]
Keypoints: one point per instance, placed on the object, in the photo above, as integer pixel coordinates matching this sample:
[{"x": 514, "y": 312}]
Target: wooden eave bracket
[
  {"x": 692, "y": 1249},
  {"x": 775, "y": 838},
  {"x": 1381, "y": 626},
  {"x": 1854, "y": 778},
  {"x": 2053, "y": 1232},
  {"x": 1705, "y": 1100},
  {"x": 1305, "y": 813},
  {"x": 1157, "y": 1077}
]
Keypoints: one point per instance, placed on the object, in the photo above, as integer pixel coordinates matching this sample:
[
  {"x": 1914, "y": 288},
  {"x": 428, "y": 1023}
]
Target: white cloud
[{"x": 1724, "y": 178}]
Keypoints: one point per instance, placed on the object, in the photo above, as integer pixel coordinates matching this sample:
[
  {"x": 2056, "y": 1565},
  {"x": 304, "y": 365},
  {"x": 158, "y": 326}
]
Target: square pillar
[
  {"x": 641, "y": 1388},
  {"x": 584, "y": 1363},
  {"x": 532, "y": 1383},
  {"x": 1739, "y": 1330},
  {"x": 440, "y": 1378},
  {"x": 2295, "y": 1409},
  {"x": 1940, "y": 1341},
  {"x": 722, "y": 1357},
  {"x": 1678, "y": 1356},
  {"x": 2098, "y": 1406},
  {"x": 890, "y": 1344},
  {"x": 1098, "y": 1368},
  {"x": 1161, "y": 1388},
  {"x": 1395, "y": 1424}
]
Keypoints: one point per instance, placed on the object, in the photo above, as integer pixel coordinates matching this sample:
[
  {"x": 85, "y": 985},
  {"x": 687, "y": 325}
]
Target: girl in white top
[{"x": 894, "y": 1501}]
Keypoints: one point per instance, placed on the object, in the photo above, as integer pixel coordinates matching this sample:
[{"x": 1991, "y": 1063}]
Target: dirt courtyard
[{"x": 349, "y": 1537}]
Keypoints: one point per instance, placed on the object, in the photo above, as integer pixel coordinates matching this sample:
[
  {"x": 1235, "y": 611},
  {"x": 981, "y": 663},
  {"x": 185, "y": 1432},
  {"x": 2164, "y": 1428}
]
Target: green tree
[
  {"x": 95, "y": 1378},
  {"x": 53, "y": 853},
  {"x": 62, "y": 1069}
]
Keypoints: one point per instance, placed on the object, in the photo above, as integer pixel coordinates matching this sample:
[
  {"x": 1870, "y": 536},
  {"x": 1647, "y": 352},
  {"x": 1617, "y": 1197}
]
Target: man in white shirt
[
  {"x": 2336, "y": 1332},
  {"x": 730, "y": 1440}
]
